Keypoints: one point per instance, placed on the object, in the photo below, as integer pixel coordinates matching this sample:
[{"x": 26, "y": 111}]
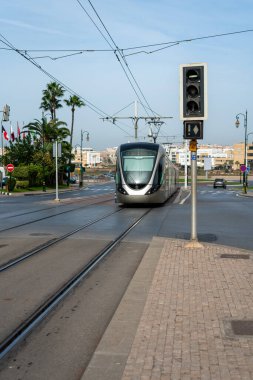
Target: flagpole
[{"x": 2, "y": 142}]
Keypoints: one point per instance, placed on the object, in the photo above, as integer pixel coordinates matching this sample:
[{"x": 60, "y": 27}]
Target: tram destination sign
[{"x": 193, "y": 129}]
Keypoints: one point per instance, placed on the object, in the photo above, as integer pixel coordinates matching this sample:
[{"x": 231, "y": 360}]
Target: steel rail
[
  {"x": 13, "y": 262},
  {"x": 38, "y": 315},
  {"x": 50, "y": 216}
]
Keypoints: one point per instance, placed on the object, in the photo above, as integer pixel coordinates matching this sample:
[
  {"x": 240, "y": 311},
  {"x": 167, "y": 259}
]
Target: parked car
[
  {"x": 219, "y": 182},
  {"x": 4, "y": 181},
  {"x": 72, "y": 180}
]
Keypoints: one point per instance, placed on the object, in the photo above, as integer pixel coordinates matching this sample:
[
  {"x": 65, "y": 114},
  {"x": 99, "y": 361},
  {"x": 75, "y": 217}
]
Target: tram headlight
[
  {"x": 153, "y": 189},
  {"x": 121, "y": 190}
]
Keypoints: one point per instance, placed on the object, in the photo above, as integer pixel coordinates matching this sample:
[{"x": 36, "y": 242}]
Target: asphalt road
[{"x": 63, "y": 344}]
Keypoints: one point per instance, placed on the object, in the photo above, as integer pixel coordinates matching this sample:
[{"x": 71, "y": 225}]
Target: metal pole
[
  {"x": 81, "y": 166},
  {"x": 135, "y": 120},
  {"x": 43, "y": 163},
  {"x": 185, "y": 167},
  {"x": 56, "y": 172},
  {"x": 194, "y": 196},
  {"x": 2, "y": 143},
  {"x": 245, "y": 153}
]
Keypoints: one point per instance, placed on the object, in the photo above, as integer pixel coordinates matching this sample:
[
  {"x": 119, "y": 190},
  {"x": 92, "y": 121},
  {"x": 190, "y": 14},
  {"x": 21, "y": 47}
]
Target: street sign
[
  {"x": 193, "y": 146},
  {"x": 243, "y": 168},
  {"x": 207, "y": 163},
  {"x": 10, "y": 168},
  {"x": 193, "y": 129}
]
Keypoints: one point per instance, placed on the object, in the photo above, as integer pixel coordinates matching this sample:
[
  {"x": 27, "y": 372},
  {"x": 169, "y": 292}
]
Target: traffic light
[
  {"x": 6, "y": 113},
  {"x": 193, "y": 91}
]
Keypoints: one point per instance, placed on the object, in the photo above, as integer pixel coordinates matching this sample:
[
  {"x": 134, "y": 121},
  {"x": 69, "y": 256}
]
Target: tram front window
[{"x": 138, "y": 165}]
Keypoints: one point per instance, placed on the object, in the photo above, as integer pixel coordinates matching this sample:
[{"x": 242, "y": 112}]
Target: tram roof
[{"x": 134, "y": 145}]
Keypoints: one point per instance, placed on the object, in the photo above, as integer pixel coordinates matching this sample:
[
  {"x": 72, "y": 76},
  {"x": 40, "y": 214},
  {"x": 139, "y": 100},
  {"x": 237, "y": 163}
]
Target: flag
[
  {"x": 5, "y": 134},
  {"x": 12, "y": 134}
]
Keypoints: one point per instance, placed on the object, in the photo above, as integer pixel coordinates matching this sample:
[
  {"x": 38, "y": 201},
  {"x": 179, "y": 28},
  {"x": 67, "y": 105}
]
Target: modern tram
[{"x": 144, "y": 174}]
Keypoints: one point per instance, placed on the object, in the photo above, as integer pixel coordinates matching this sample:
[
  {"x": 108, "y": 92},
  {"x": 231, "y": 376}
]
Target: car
[
  {"x": 219, "y": 182},
  {"x": 72, "y": 180},
  {"x": 4, "y": 181}
]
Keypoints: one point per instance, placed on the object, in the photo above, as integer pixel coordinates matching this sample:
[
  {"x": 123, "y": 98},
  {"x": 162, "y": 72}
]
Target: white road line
[{"x": 183, "y": 200}]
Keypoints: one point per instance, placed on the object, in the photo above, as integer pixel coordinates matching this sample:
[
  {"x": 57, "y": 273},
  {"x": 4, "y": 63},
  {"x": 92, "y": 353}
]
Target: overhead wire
[
  {"x": 190, "y": 39},
  {"x": 122, "y": 55},
  {"x": 119, "y": 56},
  {"x": 72, "y": 92},
  {"x": 170, "y": 44}
]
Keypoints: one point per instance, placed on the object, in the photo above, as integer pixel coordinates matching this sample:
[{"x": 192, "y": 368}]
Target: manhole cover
[
  {"x": 242, "y": 327},
  {"x": 234, "y": 256},
  {"x": 201, "y": 237},
  {"x": 40, "y": 234}
]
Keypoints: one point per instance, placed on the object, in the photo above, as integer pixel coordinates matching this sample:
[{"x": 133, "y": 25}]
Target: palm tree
[
  {"x": 51, "y": 98},
  {"x": 73, "y": 102}
]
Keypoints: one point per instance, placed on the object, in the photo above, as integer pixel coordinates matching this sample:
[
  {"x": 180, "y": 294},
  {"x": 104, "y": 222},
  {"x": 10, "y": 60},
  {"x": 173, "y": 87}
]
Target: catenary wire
[
  {"x": 115, "y": 52},
  {"x": 31, "y": 60}
]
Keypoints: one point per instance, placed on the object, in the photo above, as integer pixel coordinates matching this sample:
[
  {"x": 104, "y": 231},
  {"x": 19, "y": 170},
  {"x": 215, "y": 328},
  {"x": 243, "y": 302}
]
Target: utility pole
[{"x": 136, "y": 118}]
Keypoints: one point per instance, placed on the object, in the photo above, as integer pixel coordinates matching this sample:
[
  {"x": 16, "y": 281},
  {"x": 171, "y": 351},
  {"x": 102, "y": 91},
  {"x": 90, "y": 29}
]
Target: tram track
[
  {"x": 13, "y": 262},
  {"x": 51, "y": 216},
  {"x": 37, "y": 316}
]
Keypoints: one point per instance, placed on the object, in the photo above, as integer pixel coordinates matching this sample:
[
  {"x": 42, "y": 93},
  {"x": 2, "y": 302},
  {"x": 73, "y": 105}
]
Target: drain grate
[
  {"x": 242, "y": 327},
  {"x": 234, "y": 256}
]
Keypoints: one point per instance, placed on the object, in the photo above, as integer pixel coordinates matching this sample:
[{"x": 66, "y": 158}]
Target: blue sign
[{"x": 194, "y": 157}]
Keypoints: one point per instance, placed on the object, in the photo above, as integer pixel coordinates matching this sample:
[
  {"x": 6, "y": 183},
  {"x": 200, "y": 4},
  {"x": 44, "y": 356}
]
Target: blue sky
[{"x": 99, "y": 78}]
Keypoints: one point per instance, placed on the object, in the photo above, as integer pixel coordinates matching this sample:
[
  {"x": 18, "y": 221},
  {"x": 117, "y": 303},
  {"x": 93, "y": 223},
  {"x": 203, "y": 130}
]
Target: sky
[{"x": 75, "y": 42}]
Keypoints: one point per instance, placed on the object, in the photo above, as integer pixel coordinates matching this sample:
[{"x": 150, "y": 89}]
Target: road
[{"x": 61, "y": 347}]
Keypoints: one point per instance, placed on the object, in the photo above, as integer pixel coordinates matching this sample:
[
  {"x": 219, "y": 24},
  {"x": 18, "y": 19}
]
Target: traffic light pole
[
  {"x": 194, "y": 196},
  {"x": 193, "y": 111}
]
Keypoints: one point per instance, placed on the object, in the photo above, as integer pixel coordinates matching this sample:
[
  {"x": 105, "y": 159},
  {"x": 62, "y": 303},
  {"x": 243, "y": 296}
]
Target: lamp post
[
  {"x": 237, "y": 123},
  {"x": 81, "y": 153},
  {"x": 250, "y": 133}
]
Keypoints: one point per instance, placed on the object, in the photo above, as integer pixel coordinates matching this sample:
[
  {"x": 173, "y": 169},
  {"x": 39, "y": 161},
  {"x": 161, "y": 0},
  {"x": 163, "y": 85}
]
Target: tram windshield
[{"x": 137, "y": 165}]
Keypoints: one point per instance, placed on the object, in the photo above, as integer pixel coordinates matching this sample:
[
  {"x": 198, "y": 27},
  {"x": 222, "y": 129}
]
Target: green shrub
[{"x": 22, "y": 184}]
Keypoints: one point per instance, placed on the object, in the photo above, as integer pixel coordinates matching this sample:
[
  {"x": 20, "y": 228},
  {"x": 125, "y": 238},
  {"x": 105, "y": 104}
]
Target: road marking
[{"x": 183, "y": 200}]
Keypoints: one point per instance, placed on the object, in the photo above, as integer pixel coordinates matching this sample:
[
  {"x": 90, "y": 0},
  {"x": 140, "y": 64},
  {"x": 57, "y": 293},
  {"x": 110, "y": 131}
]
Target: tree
[
  {"x": 46, "y": 132},
  {"x": 51, "y": 98},
  {"x": 73, "y": 102},
  {"x": 20, "y": 152}
]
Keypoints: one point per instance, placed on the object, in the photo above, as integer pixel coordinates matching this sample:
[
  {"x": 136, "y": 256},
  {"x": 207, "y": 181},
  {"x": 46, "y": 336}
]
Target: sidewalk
[{"x": 186, "y": 315}]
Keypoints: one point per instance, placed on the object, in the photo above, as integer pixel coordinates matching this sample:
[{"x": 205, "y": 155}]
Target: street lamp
[
  {"x": 81, "y": 147},
  {"x": 237, "y": 123}
]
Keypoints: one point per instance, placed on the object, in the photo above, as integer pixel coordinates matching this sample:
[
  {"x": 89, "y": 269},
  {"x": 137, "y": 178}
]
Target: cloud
[{"x": 31, "y": 27}]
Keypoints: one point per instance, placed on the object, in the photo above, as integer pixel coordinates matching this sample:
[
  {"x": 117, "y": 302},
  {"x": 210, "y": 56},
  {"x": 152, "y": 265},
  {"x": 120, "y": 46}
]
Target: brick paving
[{"x": 184, "y": 332}]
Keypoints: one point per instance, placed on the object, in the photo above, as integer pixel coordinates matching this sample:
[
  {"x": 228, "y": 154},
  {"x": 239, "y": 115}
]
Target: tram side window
[
  {"x": 158, "y": 178},
  {"x": 118, "y": 176}
]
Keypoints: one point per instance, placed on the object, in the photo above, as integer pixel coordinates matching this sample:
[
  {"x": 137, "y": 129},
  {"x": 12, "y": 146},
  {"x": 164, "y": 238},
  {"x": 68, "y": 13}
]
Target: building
[
  {"x": 88, "y": 156},
  {"x": 108, "y": 156},
  {"x": 239, "y": 153}
]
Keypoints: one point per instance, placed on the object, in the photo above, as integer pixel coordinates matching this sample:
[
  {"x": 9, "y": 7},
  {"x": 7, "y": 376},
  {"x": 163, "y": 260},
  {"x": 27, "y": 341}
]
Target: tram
[{"x": 144, "y": 174}]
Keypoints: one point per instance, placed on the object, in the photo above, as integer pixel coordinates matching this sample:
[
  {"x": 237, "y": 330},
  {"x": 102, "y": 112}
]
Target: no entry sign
[{"x": 10, "y": 168}]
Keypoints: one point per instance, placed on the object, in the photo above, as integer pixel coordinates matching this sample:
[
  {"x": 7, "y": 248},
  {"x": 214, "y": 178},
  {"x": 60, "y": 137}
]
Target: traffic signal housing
[{"x": 193, "y": 91}]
